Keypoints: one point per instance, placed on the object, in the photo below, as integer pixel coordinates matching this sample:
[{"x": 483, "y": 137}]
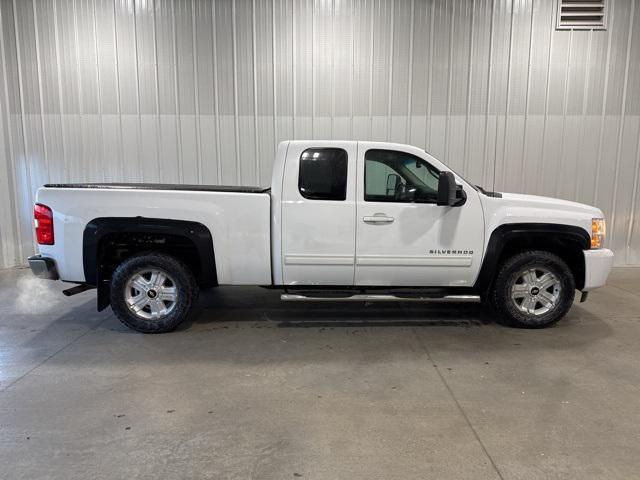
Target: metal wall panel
[{"x": 202, "y": 91}]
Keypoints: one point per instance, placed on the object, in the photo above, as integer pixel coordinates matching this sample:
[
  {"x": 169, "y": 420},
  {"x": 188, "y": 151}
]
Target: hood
[{"x": 549, "y": 203}]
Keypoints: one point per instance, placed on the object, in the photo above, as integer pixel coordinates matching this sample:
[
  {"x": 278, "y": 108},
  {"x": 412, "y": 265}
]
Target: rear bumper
[
  {"x": 43, "y": 267},
  {"x": 597, "y": 265}
]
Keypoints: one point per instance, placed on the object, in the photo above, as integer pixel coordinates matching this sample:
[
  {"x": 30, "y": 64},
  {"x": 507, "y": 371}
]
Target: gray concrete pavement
[{"x": 253, "y": 388}]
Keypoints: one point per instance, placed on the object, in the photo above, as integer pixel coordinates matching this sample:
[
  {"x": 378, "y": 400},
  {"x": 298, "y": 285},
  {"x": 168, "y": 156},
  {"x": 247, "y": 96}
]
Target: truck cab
[
  {"x": 371, "y": 217},
  {"x": 342, "y": 221}
]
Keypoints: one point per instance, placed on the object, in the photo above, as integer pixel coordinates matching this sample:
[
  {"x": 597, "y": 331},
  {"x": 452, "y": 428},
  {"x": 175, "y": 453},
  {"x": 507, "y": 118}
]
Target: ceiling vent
[{"x": 582, "y": 14}]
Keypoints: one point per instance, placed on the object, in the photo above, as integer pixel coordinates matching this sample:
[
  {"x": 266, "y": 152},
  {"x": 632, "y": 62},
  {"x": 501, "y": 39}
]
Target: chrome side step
[{"x": 290, "y": 297}]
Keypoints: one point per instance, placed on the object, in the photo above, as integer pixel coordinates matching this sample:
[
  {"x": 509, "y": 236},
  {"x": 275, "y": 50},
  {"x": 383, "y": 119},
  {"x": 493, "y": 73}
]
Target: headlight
[{"x": 598, "y": 232}]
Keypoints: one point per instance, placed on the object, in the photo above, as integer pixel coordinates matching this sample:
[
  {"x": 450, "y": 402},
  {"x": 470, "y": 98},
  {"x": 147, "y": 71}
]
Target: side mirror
[{"x": 449, "y": 192}]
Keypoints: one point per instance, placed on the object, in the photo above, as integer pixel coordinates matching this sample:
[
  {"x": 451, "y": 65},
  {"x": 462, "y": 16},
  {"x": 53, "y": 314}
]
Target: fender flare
[
  {"x": 502, "y": 235},
  {"x": 96, "y": 230}
]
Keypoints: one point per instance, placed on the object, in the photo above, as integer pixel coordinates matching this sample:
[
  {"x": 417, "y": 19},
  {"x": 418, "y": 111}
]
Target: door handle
[{"x": 378, "y": 219}]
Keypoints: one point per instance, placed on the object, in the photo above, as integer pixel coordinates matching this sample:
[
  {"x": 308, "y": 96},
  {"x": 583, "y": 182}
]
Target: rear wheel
[
  {"x": 152, "y": 292},
  {"x": 533, "y": 289}
]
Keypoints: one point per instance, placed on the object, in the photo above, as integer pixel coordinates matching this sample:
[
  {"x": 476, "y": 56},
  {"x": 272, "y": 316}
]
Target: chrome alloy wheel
[
  {"x": 151, "y": 294},
  {"x": 535, "y": 291}
]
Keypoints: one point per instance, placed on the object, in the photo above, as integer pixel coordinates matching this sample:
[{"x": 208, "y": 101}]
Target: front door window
[{"x": 392, "y": 176}]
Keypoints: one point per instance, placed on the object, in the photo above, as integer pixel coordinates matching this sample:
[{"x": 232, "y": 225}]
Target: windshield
[{"x": 475, "y": 187}]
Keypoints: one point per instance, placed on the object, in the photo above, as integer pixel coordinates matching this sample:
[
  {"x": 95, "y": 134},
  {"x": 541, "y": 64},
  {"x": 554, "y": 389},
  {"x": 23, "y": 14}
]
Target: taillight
[{"x": 43, "y": 221}]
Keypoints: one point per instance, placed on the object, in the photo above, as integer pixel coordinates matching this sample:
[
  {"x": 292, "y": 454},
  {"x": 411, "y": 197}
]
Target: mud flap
[{"x": 104, "y": 292}]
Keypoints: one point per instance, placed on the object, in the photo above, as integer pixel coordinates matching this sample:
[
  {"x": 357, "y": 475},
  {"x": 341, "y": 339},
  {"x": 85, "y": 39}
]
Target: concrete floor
[{"x": 254, "y": 388}]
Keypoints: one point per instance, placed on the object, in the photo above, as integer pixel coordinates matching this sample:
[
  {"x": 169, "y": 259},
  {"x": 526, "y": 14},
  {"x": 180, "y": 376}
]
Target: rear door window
[{"x": 323, "y": 174}]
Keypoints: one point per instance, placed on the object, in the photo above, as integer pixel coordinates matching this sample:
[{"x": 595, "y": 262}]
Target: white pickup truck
[{"x": 342, "y": 221}]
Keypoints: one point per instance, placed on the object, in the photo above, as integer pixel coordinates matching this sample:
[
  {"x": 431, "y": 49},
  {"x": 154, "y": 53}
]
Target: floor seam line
[
  {"x": 623, "y": 289},
  {"x": 50, "y": 357},
  {"x": 457, "y": 403}
]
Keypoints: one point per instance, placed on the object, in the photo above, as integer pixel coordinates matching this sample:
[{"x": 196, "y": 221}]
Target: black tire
[
  {"x": 178, "y": 275},
  {"x": 510, "y": 280}
]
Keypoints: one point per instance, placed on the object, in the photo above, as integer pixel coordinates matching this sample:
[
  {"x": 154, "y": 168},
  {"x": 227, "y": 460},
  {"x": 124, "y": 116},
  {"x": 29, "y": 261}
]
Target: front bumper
[
  {"x": 597, "y": 265},
  {"x": 43, "y": 267}
]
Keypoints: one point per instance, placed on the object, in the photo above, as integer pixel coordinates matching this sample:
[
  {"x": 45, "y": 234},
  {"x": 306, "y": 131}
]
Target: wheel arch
[
  {"x": 566, "y": 241},
  {"x": 107, "y": 240}
]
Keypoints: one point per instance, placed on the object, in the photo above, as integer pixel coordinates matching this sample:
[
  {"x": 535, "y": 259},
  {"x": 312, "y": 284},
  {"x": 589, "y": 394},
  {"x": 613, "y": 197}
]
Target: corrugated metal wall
[{"x": 201, "y": 91}]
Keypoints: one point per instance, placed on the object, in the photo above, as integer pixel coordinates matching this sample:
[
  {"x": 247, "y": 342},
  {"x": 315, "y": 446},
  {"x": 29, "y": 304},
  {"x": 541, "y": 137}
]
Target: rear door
[
  {"x": 318, "y": 213},
  {"x": 403, "y": 237}
]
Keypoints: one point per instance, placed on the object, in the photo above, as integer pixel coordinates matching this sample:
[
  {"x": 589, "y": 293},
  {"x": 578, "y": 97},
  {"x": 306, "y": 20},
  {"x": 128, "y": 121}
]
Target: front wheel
[
  {"x": 152, "y": 292},
  {"x": 533, "y": 289}
]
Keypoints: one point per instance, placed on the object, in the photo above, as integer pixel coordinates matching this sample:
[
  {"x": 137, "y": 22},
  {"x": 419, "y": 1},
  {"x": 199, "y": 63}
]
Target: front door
[
  {"x": 318, "y": 213},
  {"x": 402, "y": 237}
]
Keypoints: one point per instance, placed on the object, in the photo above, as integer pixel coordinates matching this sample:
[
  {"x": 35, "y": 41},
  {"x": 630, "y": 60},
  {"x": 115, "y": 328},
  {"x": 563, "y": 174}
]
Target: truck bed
[
  {"x": 238, "y": 219},
  {"x": 161, "y": 186}
]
